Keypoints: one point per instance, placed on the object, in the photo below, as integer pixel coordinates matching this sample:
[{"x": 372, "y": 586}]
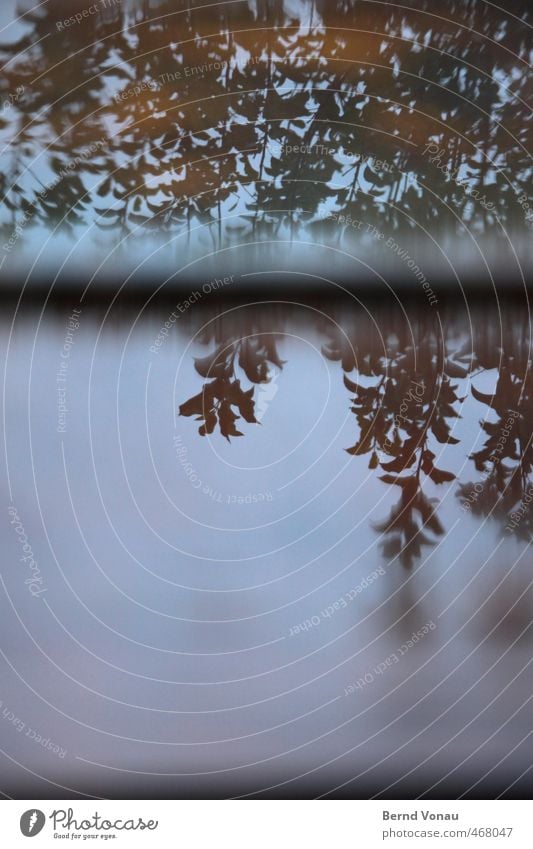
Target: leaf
[
  {"x": 193, "y": 407},
  {"x": 272, "y": 353},
  {"x": 227, "y": 419},
  {"x": 440, "y": 476},
  {"x": 107, "y": 213},
  {"x": 210, "y": 423},
  {"x": 399, "y": 464},
  {"x": 394, "y": 479},
  {"x": 331, "y": 353},
  {"x": 243, "y": 400},
  {"x": 440, "y": 430},
  {"x": 483, "y": 397},
  {"x": 104, "y": 188},
  {"x": 217, "y": 364},
  {"x": 454, "y": 369},
  {"x": 392, "y": 546},
  {"x": 351, "y": 386},
  {"x": 362, "y": 447},
  {"x": 252, "y": 362}
]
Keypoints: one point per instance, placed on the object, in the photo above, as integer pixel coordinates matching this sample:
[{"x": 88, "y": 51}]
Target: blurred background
[{"x": 267, "y": 401}]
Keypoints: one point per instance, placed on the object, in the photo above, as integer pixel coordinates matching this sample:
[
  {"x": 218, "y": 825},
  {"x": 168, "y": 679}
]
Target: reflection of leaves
[
  {"x": 441, "y": 431},
  {"x": 214, "y": 405},
  {"x": 506, "y": 457},
  {"x": 219, "y": 400},
  {"x": 253, "y": 361},
  {"x": 453, "y": 369},
  {"x": 186, "y": 149},
  {"x": 218, "y": 364},
  {"x": 407, "y": 404},
  {"x": 404, "y": 528},
  {"x": 340, "y": 350},
  {"x": 482, "y": 396}
]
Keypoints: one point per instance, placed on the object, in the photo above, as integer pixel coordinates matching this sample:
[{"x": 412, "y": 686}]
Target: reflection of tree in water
[
  {"x": 250, "y": 124},
  {"x": 403, "y": 382},
  {"x": 506, "y": 458},
  {"x": 402, "y": 402},
  {"x": 226, "y": 95}
]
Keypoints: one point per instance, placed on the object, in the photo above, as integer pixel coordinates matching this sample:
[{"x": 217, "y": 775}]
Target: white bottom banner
[{"x": 263, "y": 824}]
